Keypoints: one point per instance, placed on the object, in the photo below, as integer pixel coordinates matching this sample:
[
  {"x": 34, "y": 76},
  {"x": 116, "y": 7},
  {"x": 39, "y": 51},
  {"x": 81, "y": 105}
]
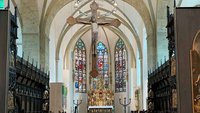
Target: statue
[
  {"x": 195, "y": 59},
  {"x": 10, "y": 100},
  {"x": 197, "y": 104}
]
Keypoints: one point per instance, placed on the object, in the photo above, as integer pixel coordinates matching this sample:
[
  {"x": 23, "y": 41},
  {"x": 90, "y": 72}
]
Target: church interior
[{"x": 99, "y": 56}]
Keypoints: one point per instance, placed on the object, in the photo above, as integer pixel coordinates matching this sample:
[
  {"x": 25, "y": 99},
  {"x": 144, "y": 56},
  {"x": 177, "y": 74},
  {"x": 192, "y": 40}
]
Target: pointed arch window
[
  {"x": 102, "y": 63},
  {"x": 121, "y": 71},
  {"x": 80, "y": 67}
]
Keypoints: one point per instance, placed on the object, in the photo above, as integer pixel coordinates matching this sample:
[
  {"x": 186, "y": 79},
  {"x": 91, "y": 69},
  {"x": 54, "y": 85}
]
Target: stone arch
[
  {"x": 118, "y": 32},
  {"x": 83, "y": 30},
  {"x": 55, "y": 6},
  {"x": 68, "y": 28},
  {"x": 143, "y": 11},
  {"x": 130, "y": 27}
]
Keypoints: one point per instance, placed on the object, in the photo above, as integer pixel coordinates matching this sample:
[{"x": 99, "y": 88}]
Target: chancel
[
  {"x": 100, "y": 95},
  {"x": 99, "y": 56}
]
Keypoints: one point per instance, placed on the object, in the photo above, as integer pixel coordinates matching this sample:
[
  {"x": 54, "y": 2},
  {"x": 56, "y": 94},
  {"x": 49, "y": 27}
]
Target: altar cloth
[{"x": 100, "y": 107}]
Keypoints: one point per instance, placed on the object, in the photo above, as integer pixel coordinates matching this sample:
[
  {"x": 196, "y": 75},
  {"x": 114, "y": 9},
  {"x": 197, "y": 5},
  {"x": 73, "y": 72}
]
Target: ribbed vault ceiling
[{"x": 129, "y": 17}]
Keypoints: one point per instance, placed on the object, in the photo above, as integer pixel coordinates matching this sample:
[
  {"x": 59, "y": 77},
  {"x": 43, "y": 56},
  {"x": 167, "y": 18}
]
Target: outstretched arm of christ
[
  {"x": 99, "y": 21},
  {"x": 108, "y": 21},
  {"x": 71, "y": 20}
]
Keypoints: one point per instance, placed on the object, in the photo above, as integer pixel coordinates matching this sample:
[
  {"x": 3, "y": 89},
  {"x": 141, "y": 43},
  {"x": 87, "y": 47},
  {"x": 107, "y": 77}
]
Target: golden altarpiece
[
  {"x": 100, "y": 96},
  {"x": 100, "y": 100}
]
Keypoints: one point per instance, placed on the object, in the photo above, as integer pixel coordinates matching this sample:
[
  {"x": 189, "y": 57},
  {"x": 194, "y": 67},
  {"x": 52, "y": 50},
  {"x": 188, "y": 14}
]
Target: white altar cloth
[{"x": 100, "y": 107}]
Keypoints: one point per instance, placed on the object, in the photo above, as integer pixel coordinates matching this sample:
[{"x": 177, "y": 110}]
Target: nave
[{"x": 99, "y": 56}]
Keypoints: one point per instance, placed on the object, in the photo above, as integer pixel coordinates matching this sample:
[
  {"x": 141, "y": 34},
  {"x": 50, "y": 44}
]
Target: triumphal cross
[{"x": 94, "y": 20}]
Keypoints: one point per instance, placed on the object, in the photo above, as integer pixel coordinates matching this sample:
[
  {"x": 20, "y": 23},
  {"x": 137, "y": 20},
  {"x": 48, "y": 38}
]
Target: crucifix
[{"x": 94, "y": 20}]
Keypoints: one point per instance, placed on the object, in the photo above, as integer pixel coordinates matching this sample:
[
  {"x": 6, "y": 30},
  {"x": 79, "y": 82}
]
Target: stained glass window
[
  {"x": 120, "y": 66},
  {"x": 102, "y": 64},
  {"x": 80, "y": 67}
]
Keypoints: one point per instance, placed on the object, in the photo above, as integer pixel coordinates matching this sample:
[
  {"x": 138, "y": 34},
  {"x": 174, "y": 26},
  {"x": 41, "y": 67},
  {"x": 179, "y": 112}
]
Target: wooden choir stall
[{"x": 24, "y": 85}]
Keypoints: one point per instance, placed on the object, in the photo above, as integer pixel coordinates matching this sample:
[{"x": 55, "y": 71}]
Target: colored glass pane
[
  {"x": 80, "y": 67},
  {"x": 120, "y": 66},
  {"x": 102, "y": 64}
]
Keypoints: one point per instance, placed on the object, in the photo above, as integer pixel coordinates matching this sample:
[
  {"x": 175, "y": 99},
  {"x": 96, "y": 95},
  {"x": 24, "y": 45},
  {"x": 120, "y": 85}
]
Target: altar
[
  {"x": 100, "y": 109},
  {"x": 100, "y": 100}
]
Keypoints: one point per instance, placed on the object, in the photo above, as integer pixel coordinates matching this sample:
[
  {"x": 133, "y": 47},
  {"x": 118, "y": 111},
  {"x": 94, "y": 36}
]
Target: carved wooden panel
[
  {"x": 174, "y": 98},
  {"x": 173, "y": 66},
  {"x": 195, "y": 75}
]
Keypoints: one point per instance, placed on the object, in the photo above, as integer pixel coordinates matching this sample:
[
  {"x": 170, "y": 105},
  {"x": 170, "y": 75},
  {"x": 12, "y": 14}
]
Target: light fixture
[
  {"x": 115, "y": 4},
  {"x": 77, "y": 4}
]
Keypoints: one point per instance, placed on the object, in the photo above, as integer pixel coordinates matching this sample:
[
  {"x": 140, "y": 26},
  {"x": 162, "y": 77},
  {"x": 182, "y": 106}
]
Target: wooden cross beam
[{"x": 94, "y": 20}]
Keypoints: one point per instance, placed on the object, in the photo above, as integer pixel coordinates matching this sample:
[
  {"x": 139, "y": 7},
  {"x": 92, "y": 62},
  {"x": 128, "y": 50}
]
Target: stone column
[
  {"x": 141, "y": 89},
  {"x": 44, "y": 50},
  {"x": 30, "y": 30},
  {"x": 47, "y": 53},
  {"x": 151, "y": 51},
  {"x": 31, "y": 46},
  {"x": 151, "y": 56},
  {"x": 57, "y": 62}
]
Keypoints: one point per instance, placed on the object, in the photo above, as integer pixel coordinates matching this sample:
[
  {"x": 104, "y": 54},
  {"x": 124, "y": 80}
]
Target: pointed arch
[
  {"x": 121, "y": 66},
  {"x": 103, "y": 63},
  {"x": 79, "y": 68}
]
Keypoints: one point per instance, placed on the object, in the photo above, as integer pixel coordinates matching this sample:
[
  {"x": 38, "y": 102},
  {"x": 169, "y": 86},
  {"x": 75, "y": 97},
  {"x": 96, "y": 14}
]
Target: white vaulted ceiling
[
  {"x": 134, "y": 14},
  {"x": 131, "y": 19}
]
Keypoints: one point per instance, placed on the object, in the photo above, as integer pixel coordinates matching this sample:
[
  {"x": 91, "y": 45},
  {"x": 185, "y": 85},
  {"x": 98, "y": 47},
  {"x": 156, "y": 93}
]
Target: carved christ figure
[{"x": 94, "y": 21}]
